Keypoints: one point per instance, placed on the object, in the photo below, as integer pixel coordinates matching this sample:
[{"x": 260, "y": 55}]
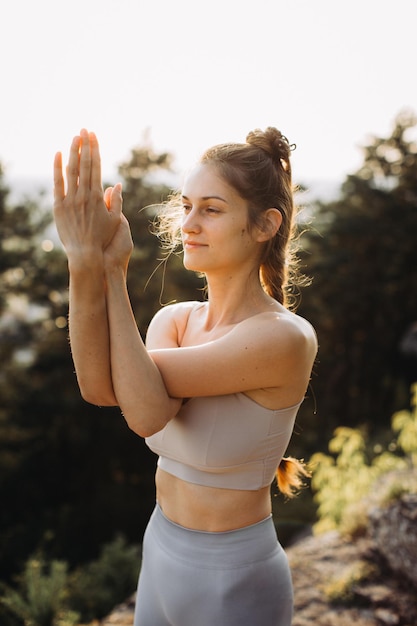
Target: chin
[{"x": 193, "y": 267}]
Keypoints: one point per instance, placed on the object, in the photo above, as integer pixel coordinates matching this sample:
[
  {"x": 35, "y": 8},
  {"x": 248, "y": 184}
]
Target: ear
[{"x": 272, "y": 220}]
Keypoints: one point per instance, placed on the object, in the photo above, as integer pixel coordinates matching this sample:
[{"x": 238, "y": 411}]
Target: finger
[
  {"x": 73, "y": 165},
  {"x": 59, "y": 187},
  {"x": 95, "y": 163},
  {"x": 85, "y": 162}
]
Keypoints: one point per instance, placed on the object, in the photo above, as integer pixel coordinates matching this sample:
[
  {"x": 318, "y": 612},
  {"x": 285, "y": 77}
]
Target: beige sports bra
[{"x": 227, "y": 441}]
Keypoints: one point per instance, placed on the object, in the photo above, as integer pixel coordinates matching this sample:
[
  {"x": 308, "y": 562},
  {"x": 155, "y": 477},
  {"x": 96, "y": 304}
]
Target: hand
[{"x": 86, "y": 222}]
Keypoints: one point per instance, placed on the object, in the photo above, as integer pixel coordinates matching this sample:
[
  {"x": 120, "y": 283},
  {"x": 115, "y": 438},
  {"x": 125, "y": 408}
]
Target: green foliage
[
  {"x": 41, "y": 597},
  {"x": 48, "y": 595},
  {"x": 405, "y": 424},
  {"x": 341, "y": 480},
  {"x": 102, "y": 584},
  {"x": 341, "y": 590}
]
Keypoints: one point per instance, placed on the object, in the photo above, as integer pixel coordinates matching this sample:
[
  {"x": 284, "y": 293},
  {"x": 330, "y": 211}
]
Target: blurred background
[{"x": 159, "y": 82}]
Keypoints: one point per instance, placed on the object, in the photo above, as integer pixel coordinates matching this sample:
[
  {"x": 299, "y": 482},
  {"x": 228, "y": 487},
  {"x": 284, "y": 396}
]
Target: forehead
[{"x": 204, "y": 181}]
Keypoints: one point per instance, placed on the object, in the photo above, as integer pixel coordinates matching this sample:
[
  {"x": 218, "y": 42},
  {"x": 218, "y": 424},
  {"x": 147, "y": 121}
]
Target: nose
[{"x": 189, "y": 222}]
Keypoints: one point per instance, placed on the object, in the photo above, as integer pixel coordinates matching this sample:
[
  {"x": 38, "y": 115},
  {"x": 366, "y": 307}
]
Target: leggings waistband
[{"x": 249, "y": 544}]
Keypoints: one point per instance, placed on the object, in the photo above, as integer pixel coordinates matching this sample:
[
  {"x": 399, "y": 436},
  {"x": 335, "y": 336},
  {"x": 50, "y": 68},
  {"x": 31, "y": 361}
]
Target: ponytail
[{"x": 290, "y": 476}]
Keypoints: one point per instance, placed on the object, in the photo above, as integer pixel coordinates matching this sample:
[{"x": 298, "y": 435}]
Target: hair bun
[{"x": 274, "y": 143}]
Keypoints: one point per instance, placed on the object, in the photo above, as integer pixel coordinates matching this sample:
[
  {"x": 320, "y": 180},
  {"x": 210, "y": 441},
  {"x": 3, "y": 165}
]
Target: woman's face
[{"x": 214, "y": 226}]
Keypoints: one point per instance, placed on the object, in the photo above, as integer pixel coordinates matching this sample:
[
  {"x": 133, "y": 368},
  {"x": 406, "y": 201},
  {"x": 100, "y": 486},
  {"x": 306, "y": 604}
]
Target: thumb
[
  {"x": 107, "y": 197},
  {"x": 116, "y": 199}
]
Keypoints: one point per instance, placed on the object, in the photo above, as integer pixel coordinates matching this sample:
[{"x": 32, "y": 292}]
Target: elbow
[
  {"x": 141, "y": 431},
  {"x": 97, "y": 391},
  {"x": 142, "y": 428},
  {"x": 98, "y": 399},
  {"x": 150, "y": 420}
]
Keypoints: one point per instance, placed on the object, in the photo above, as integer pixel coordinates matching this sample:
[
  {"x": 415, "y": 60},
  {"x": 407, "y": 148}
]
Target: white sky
[{"x": 326, "y": 72}]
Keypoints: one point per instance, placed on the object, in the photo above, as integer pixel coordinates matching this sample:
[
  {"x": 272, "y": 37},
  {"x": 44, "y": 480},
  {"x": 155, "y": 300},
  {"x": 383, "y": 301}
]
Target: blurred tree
[
  {"x": 362, "y": 254},
  {"x": 31, "y": 304}
]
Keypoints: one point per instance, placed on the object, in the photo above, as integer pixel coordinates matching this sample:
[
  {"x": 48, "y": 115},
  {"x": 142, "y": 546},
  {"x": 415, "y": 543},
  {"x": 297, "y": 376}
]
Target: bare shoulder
[
  {"x": 282, "y": 332},
  {"x": 299, "y": 328},
  {"x": 284, "y": 347},
  {"x": 168, "y": 325}
]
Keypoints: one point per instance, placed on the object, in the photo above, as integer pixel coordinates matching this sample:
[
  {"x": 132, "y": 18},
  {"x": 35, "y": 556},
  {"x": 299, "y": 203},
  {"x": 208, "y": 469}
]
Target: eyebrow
[{"x": 208, "y": 198}]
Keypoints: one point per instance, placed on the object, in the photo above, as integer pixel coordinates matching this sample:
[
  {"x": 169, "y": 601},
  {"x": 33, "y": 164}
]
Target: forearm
[
  {"x": 137, "y": 382},
  {"x": 88, "y": 220},
  {"x": 89, "y": 331}
]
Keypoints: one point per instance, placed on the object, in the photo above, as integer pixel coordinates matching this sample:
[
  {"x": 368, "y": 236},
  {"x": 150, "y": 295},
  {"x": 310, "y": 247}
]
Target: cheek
[{"x": 246, "y": 239}]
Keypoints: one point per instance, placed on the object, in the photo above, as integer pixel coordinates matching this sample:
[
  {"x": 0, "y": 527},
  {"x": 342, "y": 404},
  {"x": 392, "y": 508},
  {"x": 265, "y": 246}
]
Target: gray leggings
[{"x": 194, "y": 578}]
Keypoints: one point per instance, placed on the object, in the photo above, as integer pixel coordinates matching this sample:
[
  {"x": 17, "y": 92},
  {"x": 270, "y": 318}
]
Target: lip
[{"x": 189, "y": 244}]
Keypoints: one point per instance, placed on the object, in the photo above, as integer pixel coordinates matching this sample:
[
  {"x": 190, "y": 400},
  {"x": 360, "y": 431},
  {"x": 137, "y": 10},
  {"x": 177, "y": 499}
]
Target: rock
[
  {"x": 326, "y": 564},
  {"x": 121, "y": 615},
  {"x": 393, "y": 529}
]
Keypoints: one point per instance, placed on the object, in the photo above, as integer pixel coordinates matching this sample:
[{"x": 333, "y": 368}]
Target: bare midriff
[{"x": 210, "y": 509}]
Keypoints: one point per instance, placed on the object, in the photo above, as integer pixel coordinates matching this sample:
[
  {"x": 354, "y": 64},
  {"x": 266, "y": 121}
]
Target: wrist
[
  {"x": 82, "y": 261},
  {"x": 114, "y": 271}
]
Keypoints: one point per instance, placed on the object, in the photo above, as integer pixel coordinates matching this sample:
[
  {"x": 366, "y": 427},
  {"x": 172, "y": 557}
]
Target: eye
[
  {"x": 186, "y": 208},
  {"x": 212, "y": 209}
]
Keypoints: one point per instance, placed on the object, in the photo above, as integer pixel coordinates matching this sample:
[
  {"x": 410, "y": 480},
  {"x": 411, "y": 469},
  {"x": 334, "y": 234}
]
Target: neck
[{"x": 235, "y": 299}]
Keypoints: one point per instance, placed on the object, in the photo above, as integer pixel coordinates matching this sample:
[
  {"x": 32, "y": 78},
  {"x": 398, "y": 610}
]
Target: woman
[{"x": 216, "y": 388}]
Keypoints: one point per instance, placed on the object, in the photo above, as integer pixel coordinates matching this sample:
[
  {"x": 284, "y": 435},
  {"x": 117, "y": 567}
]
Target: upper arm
[
  {"x": 168, "y": 326},
  {"x": 262, "y": 352}
]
